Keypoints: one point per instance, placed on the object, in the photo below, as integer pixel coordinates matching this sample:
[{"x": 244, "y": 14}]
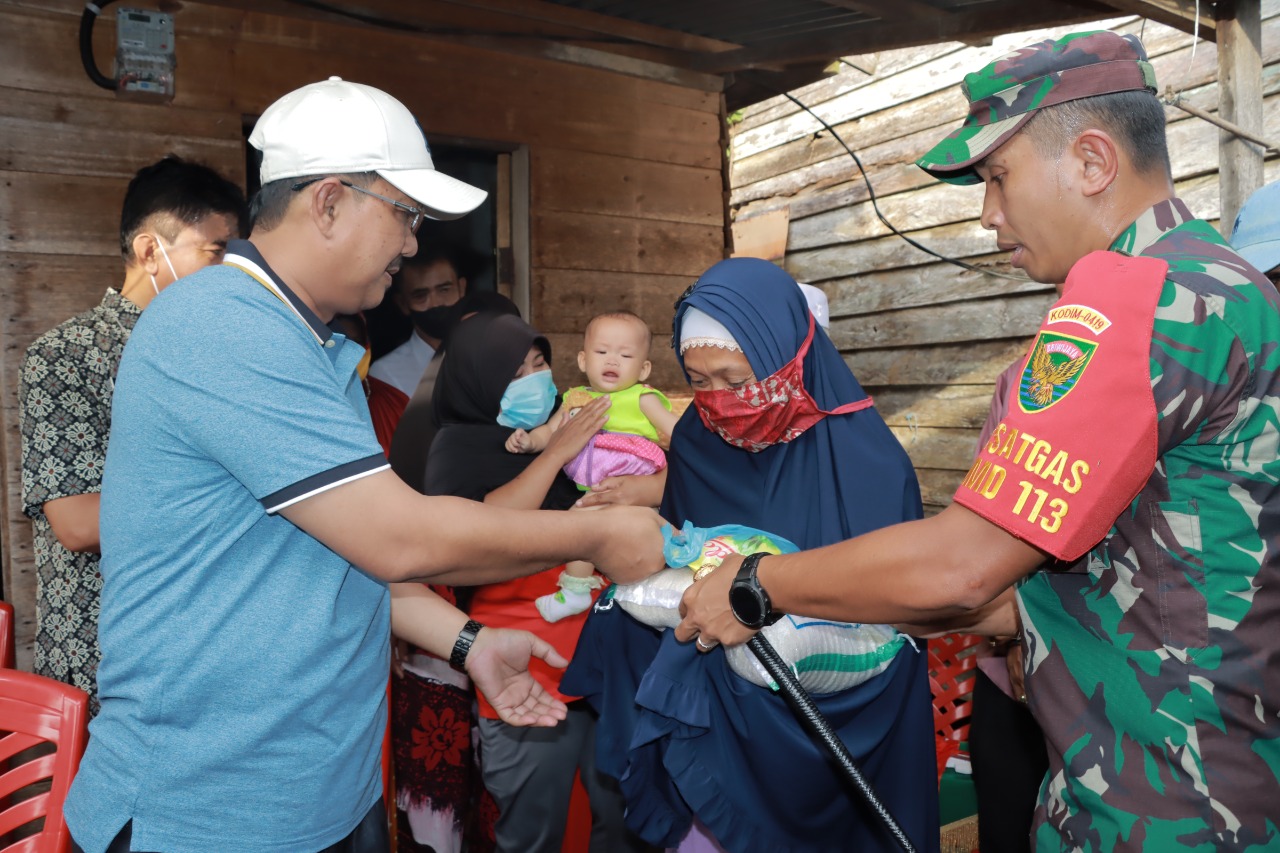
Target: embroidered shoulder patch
[{"x": 1056, "y": 364}]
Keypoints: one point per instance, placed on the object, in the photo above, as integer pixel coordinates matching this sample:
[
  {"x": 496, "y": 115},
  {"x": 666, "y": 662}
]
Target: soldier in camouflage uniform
[{"x": 1138, "y": 457}]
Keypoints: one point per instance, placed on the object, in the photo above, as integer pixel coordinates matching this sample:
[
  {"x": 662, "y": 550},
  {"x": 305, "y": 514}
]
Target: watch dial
[{"x": 746, "y": 606}]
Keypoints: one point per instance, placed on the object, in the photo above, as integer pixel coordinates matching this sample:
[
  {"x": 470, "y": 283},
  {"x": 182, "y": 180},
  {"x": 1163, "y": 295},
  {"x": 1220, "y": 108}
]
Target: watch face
[{"x": 746, "y": 605}]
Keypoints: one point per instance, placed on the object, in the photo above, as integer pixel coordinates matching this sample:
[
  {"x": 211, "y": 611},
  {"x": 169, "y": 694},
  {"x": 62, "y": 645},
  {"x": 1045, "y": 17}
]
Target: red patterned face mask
[{"x": 770, "y": 411}]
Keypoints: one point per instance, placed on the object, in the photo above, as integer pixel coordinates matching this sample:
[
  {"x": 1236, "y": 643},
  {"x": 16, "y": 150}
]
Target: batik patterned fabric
[
  {"x": 436, "y": 778},
  {"x": 1152, "y": 663},
  {"x": 64, "y": 400}
]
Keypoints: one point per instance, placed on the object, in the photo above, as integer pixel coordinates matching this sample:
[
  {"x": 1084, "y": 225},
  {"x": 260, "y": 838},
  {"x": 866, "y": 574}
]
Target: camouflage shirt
[
  {"x": 1152, "y": 662},
  {"x": 64, "y": 401}
]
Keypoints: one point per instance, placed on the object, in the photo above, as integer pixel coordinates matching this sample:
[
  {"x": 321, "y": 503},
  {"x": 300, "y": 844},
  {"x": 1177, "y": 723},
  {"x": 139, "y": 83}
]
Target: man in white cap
[{"x": 251, "y": 526}]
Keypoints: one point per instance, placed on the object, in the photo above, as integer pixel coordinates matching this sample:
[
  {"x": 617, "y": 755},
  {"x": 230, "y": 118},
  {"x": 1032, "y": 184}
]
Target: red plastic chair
[
  {"x": 6, "y": 635},
  {"x": 35, "y": 711},
  {"x": 953, "y": 662}
]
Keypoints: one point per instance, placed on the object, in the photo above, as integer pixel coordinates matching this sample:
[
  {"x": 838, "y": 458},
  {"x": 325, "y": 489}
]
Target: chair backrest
[
  {"x": 6, "y": 635},
  {"x": 48, "y": 719},
  {"x": 953, "y": 662}
]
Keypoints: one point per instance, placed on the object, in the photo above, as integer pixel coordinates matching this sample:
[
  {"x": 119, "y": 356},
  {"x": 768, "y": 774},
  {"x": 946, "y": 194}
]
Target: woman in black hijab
[
  {"x": 530, "y": 774},
  {"x": 468, "y": 458}
]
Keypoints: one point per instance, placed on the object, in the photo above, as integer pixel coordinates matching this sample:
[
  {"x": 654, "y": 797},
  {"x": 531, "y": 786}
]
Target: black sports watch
[
  {"x": 747, "y": 599},
  {"x": 462, "y": 646}
]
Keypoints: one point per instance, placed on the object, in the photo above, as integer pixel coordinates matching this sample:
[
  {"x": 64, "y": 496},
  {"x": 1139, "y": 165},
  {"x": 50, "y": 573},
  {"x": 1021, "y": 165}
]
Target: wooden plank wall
[
  {"x": 927, "y": 338},
  {"x": 627, "y": 175}
]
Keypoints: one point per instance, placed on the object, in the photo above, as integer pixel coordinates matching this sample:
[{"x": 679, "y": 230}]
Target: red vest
[{"x": 1079, "y": 441}]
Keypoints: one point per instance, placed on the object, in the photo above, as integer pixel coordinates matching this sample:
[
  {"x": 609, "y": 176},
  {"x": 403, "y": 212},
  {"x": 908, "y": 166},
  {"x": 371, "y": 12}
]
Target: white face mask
[{"x": 174, "y": 272}]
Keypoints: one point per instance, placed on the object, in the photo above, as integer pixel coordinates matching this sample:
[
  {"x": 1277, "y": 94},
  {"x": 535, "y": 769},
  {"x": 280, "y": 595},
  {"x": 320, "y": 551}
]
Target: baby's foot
[{"x": 562, "y": 603}]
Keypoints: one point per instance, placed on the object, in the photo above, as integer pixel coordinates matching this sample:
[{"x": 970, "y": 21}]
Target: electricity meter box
[{"x": 144, "y": 55}]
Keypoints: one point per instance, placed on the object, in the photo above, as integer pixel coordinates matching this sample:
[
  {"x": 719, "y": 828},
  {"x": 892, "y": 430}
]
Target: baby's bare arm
[
  {"x": 536, "y": 439},
  {"x": 662, "y": 418}
]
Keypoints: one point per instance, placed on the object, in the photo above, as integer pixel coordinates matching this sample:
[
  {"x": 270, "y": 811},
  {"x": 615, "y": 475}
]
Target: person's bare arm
[
  {"x": 74, "y": 520},
  {"x": 390, "y": 531},
  {"x": 919, "y": 572},
  {"x": 498, "y": 662},
  {"x": 997, "y": 618},
  {"x": 529, "y": 489},
  {"x": 662, "y": 418},
  {"x": 540, "y": 437},
  {"x": 535, "y": 440}
]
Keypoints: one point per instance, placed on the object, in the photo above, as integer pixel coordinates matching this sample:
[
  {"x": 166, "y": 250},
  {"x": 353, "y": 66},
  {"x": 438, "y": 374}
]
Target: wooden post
[{"x": 1239, "y": 101}]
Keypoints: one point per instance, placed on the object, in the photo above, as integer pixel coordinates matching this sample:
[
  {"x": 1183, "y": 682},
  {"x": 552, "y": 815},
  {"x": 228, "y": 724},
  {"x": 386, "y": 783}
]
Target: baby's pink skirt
[{"x": 613, "y": 454}]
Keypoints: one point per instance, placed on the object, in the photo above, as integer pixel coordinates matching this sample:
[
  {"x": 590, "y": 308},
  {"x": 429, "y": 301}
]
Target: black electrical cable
[
  {"x": 818, "y": 726},
  {"x": 91, "y": 12},
  {"x": 876, "y": 207}
]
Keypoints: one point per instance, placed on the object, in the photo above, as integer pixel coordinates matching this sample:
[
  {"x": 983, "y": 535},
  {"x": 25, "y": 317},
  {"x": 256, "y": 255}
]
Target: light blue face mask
[{"x": 528, "y": 401}]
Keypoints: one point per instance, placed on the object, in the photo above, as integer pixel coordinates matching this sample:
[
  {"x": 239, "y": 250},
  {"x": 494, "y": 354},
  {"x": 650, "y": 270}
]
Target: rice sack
[{"x": 827, "y": 657}]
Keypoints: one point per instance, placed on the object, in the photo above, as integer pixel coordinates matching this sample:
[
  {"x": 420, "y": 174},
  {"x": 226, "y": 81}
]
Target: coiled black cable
[{"x": 91, "y": 12}]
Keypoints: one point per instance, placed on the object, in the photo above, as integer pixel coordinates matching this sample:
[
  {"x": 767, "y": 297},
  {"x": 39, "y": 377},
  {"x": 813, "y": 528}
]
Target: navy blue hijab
[
  {"x": 844, "y": 476},
  {"x": 703, "y": 741}
]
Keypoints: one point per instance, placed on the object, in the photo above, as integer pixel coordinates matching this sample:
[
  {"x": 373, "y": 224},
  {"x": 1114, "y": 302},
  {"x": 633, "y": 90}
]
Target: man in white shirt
[{"x": 427, "y": 285}]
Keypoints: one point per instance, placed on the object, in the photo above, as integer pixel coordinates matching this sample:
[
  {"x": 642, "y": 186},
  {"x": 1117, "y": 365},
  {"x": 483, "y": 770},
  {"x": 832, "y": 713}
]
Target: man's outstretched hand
[{"x": 498, "y": 664}]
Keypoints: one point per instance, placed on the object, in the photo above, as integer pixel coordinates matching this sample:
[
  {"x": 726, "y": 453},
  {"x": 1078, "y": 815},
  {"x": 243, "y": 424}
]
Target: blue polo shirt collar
[{"x": 245, "y": 256}]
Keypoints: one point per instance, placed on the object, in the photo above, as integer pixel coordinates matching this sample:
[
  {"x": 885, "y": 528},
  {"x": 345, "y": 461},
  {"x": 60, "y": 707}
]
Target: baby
[{"x": 615, "y": 358}]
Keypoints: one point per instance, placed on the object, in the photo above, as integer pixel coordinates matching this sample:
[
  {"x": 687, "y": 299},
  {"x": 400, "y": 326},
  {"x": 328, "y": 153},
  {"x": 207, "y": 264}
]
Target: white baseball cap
[{"x": 336, "y": 127}]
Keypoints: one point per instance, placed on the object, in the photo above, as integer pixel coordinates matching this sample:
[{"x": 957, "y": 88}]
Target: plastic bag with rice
[{"x": 826, "y": 656}]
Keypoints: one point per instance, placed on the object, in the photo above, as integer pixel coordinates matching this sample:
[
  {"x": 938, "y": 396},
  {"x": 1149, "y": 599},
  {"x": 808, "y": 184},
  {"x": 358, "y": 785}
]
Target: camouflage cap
[{"x": 1004, "y": 95}]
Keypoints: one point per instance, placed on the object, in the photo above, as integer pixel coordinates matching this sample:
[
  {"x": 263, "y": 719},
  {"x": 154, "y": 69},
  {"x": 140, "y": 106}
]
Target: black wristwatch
[
  {"x": 462, "y": 646},
  {"x": 748, "y": 600}
]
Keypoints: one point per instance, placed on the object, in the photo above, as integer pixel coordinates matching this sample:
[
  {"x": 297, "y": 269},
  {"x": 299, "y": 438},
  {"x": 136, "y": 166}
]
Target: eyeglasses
[{"x": 415, "y": 215}]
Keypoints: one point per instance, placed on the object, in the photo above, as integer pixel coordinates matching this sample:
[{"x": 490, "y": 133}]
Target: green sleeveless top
[{"x": 624, "y": 411}]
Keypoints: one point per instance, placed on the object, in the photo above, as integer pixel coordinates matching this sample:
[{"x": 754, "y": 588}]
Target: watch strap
[
  {"x": 462, "y": 646},
  {"x": 746, "y": 578},
  {"x": 747, "y": 571}
]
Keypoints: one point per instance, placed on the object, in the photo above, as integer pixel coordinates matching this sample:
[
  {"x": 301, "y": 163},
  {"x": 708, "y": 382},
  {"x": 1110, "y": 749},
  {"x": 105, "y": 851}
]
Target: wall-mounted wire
[
  {"x": 91, "y": 13},
  {"x": 871, "y": 193}
]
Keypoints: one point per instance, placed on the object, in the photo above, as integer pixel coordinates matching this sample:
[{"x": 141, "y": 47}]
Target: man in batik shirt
[
  {"x": 1138, "y": 457},
  {"x": 177, "y": 218}
]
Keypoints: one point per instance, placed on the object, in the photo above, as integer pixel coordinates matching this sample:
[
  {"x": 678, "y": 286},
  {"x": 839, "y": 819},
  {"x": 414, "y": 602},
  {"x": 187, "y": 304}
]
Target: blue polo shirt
[{"x": 244, "y": 664}]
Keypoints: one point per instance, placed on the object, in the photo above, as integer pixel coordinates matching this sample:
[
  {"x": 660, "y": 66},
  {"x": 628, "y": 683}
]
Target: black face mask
[{"x": 435, "y": 322}]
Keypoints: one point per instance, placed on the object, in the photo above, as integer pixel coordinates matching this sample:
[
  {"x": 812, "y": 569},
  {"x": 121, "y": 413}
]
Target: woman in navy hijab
[{"x": 686, "y": 736}]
